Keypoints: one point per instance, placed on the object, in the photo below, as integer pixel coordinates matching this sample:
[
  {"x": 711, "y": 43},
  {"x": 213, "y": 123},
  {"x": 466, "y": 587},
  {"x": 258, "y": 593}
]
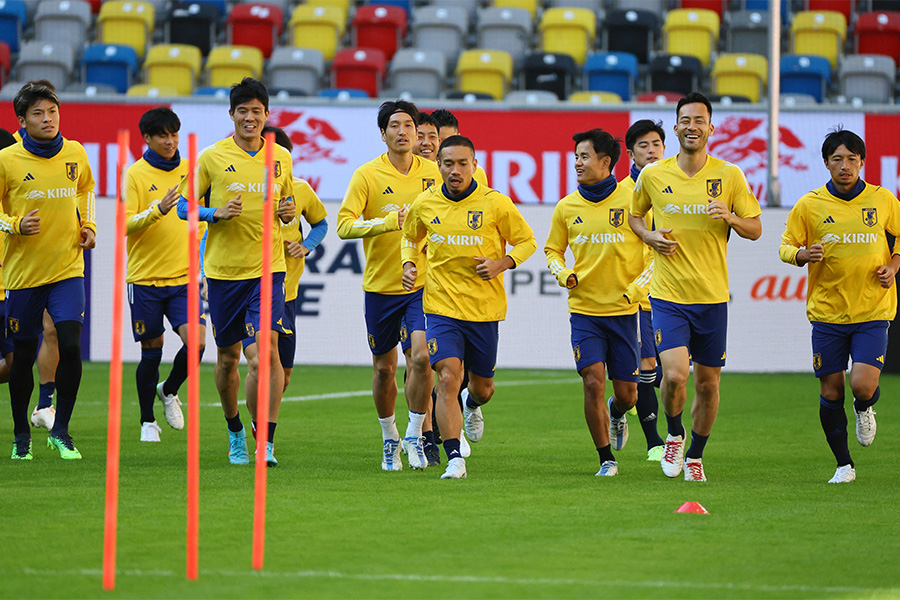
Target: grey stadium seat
[
  {"x": 59, "y": 21},
  {"x": 440, "y": 27},
  {"x": 469, "y": 6},
  {"x": 43, "y": 60},
  {"x": 419, "y": 72},
  {"x": 869, "y": 77},
  {"x": 593, "y": 5},
  {"x": 748, "y": 32},
  {"x": 296, "y": 68},
  {"x": 507, "y": 29},
  {"x": 659, "y": 7},
  {"x": 531, "y": 97},
  {"x": 797, "y": 99}
]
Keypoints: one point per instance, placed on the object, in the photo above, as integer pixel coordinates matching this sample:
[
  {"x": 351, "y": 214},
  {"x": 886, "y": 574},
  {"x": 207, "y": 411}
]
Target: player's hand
[
  {"x": 30, "y": 223},
  {"x": 410, "y": 274},
  {"x": 816, "y": 253},
  {"x": 718, "y": 210},
  {"x": 231, "y": 209},
  {"x": 488, "y": 268},
  {"x": 296, "y": 249},
  {"x": 286, "y": 210},
  {"x": 657, "y": 240},
  {"x": 401, "y": 216},
  {"x": 886, "y": 275},
  {"x": 88, "y": 238},
  {"x": 169, "y": 200},
  {"x": 571, "y": 281}
]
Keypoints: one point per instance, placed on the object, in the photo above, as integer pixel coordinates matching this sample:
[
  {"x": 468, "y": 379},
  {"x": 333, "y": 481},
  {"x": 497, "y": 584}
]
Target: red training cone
[{"x": 692, "y": 507}]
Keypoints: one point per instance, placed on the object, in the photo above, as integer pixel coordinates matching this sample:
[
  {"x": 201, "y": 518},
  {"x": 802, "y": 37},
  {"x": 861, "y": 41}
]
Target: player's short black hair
[
  {"x": 641, "y": 128},
  {"x": 427, "y": 119},
  {"x": 249, "y": 89},
  {"x": 6, "y": 139},
  {"x": 159, "y": 121},
  {"x": 32, "y": 93},
  {"x": 693, "y": 98},
  {"x": 843, "y": 137},
  {"x": 281, "y": 138},
  {"x": 394, "y": 106},
  {"x": 444, "y": 118},
  {"x": 457, "y": 140},
  {"x": 603, "y": 143}
]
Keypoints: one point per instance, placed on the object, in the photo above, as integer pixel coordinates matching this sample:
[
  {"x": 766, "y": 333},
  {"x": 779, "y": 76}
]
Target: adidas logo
[
  {"x": 230, "y": 169},
  {"x": 880, "y": 359},
  {"x": 436, "y": 221},
  {"x": 668, "y": 190},
  {"x": 29, "y": 177},
  {"x": 577, "y": 221},
  {"x": 388, "y": 191},
  {"x": 829, "y": 219},
  {"x": 723, "y": 356},
  {"x": 153, "y": 188}
]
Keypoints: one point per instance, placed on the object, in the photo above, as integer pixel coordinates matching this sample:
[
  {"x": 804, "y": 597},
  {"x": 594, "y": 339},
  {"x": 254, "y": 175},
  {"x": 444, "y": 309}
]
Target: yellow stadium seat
[
  {"x": 596, "y": 97},
  {"x": 740, "y": 75},
  {"x": 819, "y": 32},
  {"x": 152, "y": 91},
  {"x": 126, "y": 22},
  {"x": 691, "y": 31},
  {"x": 484, "y": 71},
  {"x": 227, "y": 65},
  {"x": 319, "y": 27},
  {"x": 175, "y": 65},
  {"x": 344, "y": 5},
  {"x": 529, "y": 5},
  {"x": 568, "y": 31}
]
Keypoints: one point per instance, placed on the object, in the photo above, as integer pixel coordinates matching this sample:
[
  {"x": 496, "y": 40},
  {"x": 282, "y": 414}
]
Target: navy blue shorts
[
  {"x": 287, "y": 338},
  {"x": 6, "y": 343},
  {"x": 234, "y": 308},
  {"x": 150, "y": 303},
  {"x": 833, "y": 344},
  {"x": 386, "y": 317},
  {"x": 648, "y": 346},
  {"x": 701, "y": 328},
  {"x": 610, "y": 340},
  {"x": 473, "y": 342},
  {"x": 64, "y": 300}
]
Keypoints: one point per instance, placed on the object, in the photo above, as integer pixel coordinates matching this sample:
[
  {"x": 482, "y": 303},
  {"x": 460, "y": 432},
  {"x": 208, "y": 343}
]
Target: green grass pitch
[{"x": 531, "y": 521}]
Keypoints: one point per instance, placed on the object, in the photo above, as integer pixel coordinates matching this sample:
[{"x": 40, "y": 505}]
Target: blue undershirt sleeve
[
  {"x": 205, "y": 213},
  {"x": 316, "y": 235}
]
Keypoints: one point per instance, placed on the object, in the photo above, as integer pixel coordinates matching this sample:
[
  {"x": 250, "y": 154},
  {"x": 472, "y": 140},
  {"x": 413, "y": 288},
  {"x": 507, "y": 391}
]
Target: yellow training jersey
[
  {"x": 697, "y": 273},
  {"x": 457, "y": 232},
  {"x": 608, "y": 254},
  {"x": 370, "y": 209},
  {"x": 843, "y": 287},
  {"x": 312, "y": 210},
  {"x": 640, "y": 287},
  {"x": 234, "y": 247},
  {"x": 480, "y": 177},
  {"x": 157, "y": 243},
  {"x": 2, "y": 287},
  {"x": 61, "y": 188}
]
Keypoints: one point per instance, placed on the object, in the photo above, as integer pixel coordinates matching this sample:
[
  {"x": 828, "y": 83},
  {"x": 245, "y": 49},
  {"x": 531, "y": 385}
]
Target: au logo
[
  {"x": 476, "y": 218},
  {"x": 616, "y": 216},
  {"x": 277, "y": 169},
  {"x": 432, "y": 346},
  {"x": 870, "y": 216},
  {"x": 657, "y": 336},
  {"x": 403, "y": 334},
  {"x": 817, "y": 361},
  {"x": 251, "y": 331},
  {"x": 139, "y": 327},
  {"x": 714, "y": 187},
  {"x": 371, "y": 341},
  {"x": 72, "y": 171},
  {"x": 427, "y": 182},
  {"x": 576, "y": 350},
  {"x": 14, "y": 325}
]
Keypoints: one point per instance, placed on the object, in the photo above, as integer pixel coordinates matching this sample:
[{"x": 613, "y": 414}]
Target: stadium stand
[
  {"x": 406, "y": 5},
  {"x": 151, "y": 91},
  {"x": 380, "y": 27},
  {"x": 258, "y": 25},
  {"x": 63, "y": 21},
  {"x": 531, "y": 97},
  {"x": 675, "y": 73},
  {"x": 109, "y": 64},
  {"x": 740, "y": 75},
  {"x": 844, "y": 7},
  {"x": 193, "y": 23},
  {"x": 810, "y": 75},
  {"x": 5, "y": 63},
  {"x": 869, "y": 77},
  {"x": 126, "y": 22},
  {"x": 505, "y": 29},
  {"x": 440, "y": 28},
  {"x": 878, "y": 33},
  {"x": 657, "y": 7},
  {"x": 632, "y": 31},
  {"x": 175, "y": 65},
  {"x": 484, "y": 71},
  {"x": 343, "y": 93},
  {"x": 421, "y": 73},
  {"x": 549, "y": 72},
  {"x": 821, "y": 33},
  {"x": 13, "y": 17},
  {"x": 748, "y": 31},
  {"x": 359, "y": 68},
  {"x": 91, "y": 89},
  {"x": 216, "y": 92},
  {"x": 227, "y": 65},
  {"x": 614, "y": 72},
  {"x": 319, "y": 27},
  {"x": 595, "y": 97},
  {"x": 691, "y": 32},
  {"x": 796, "y": 99},
  {"x": 659, "y": 97},
  {"x": 45, "y": 60},
  {"x": 568, "y": 31},
  {"x": 297, "y": 68},
  {"x": 469, "y": 96},
  {"x": 716, "y": 6},
  {"x": 595, "y": 6},
  {"x": 530, "y": 5}
]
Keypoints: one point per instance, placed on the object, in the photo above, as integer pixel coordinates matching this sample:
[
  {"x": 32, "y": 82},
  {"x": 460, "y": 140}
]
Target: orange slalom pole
[
  {"x": 193, "y": 315},
  {"x": 264, "y": 335},
  {"x": 114, "y": 426}
]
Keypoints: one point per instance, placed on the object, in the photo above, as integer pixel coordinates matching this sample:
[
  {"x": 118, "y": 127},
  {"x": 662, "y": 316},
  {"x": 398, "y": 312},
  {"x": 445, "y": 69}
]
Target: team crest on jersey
[
  {"x": 476, "y": 218},
  {"x": 657, "y": 336},
  {"x": 277, "y": 169},
  {"x": 72, "y": 171},
  {"x": 14, "y": 325},
  {"x": 248, "y": 327},
  {"x": 616, "y": 216},
  {"x": 427, "y": 182},
  {"x": 870, "y": 216},
  {"x": 817, "y": 361},
  {"x": 403, "y": 334},
  {"x": 714, "y": 187},
  {"x": 139, "y": 327},
  {"x": 432, "y": 346},
  {"x": 371, "y": 341},
  {"x": 576, "y": 350}
]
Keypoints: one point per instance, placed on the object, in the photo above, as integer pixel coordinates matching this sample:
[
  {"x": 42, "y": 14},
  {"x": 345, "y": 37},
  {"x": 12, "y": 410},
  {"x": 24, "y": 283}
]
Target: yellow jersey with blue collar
[
  {"x": 234, "y": 246},
  {"x": 312, "y": 210},
  {"x": 61, "y": 188},
  {"x": 608, "y": 254},
  {"x": 844, "y": 287},
  {"x": 639, "y": 289},
  {"x": 456, "y": 232},
  {"x": 698, "y": 272},
  {"x": 370, "y": 210}
]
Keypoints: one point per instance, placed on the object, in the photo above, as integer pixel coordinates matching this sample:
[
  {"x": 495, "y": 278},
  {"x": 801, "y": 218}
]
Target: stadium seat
[
  {"x": 163, "y": 10},
  {"x": 296, "y": 68},
  {"x": 359, "y": 68},
  {"x": 595, "y": 97},
  {"x": 869, "y": 77},
  {"x": 152, "y": 91},
  {"x": 660, "y": 97},
  {"x": 657, "y": 7},
  {"x": 319, "y": 27},
  {"x": 63, "y": 21},
  {"x": 729, "y": 99},
  {"x": 740, "y": 75},
  {"x": 419, "y": 72},
  {"x": 531, "y": 97},
  {"x": 405, "y": 5},
  {"x": 595, "y": 6},
  {"x": 257, "y": 25},
  {"x": 568, "y": 31},
  {"x": 879, "y": 5},
  {"x": 283, "y": 5},
  {"x": 470, "y": 6},
  {"x": 109, "y": 64},
  {"x": 530, "y": 5},
  {"x": 549, "y": 72},
  {"x": 821, "y": 33},
  {"x": 91, "y": 89},
  {"x": 796, "y": 99},
  {"x": 175, "y": 65},
  {"x": 346, "y": 7},
  {"x": 748, "y": 31},
  {"x": 13, "y": 17},
  {"x": 440, "y": 28},
  {"x": 343, "y": 93},
  {"x": 194, "y": 24},
  {"x": 611, "y": 72},
  {"x": 5, "y": 63},
  {"x": 692, "y": 32},
  {"x": 95, "y": 5},
  {"x": 844, "y": 7},
  {"x": 484, "y": 71},
  {"x": 126, "y": 22},
  {"x": 285, "y": 93},
  {"x": 220, "y": 6},
  {"x": 631, "y": 31},
  {"x": 675, "y": 73},
  {"x": 381, "y": 27},
  {"x": 44, "y": 60},
  {"x": 215, "y": 92},
  {"x": 227, "y": 65},
  {"x": 805, "y": 75},
  {"x": 717, "y": 6},
  {"x": 505, "y": 29},
  {"x": 878, "y": 33}
]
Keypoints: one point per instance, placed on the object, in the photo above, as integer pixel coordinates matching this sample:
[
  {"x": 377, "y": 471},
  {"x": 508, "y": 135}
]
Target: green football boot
[
  {"x": 63, "y": 443},
  {"x": 22, "y": 450}
]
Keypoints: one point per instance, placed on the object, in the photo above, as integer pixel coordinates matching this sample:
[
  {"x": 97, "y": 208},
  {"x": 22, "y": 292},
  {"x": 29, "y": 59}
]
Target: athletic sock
[
  {"x": 68, "y": 375},
  {"x": 45, "y": 395},
  {"x": 647, "y": 407},
  {"x": 605, "y": 454},
  {"x": 178, "y": 373},
  {"x": 147, "y": 376},
  {"x": 389, "y": 429},
  {"x": 451, "y": 447},
  {"x": 614, "y": 412},
  {"x": 414, "y": 427},
  {"x": 862, "y": 405},
  {"x": 64, "y": 409},
  {"x": 272, "y": 427},
  {"x": 674, "y": 426},
  {"x": 429, "y": 437},
  {"x": 234, "y": 423},
  {"x": 698, "y": 443},
  {"x": 834, "y": 424}
]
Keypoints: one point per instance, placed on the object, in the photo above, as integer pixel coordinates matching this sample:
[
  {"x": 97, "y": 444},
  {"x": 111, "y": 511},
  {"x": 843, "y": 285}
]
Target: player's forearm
[
  {"x": 409, "y": 251},
  {"x": 350, "y": 227},
  {"x": 9, "y": 224},
  {"x": 316, "y": 235},
  {"x": 638, "y": 226},
  {"x": 556, "y": 261},
  {"x": 748, "y": 228},
  {"x": 793, "y": 255},
  {"x": 638, "y": 289},
  {"x": 521, "y": 251},
  {"x": 135, "y": 222}
]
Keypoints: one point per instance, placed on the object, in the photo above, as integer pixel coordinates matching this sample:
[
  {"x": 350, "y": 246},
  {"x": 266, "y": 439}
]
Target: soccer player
[
  {"x": 158, "y": 266},
  {"x": 48, "y": 215},
  {"x": 840, "y": 230},
  {"x": 608, "y": 258},
  {"x": 467, "y": 227},
  {"x": 448, "y": 125},
  {"x": 231, "y": 182},
  {"x": 427, "y": 140},
  {"x": 696, "y": 201},
  {"x": 645, "y": 143},
  {"x": 374, "y": 208}
]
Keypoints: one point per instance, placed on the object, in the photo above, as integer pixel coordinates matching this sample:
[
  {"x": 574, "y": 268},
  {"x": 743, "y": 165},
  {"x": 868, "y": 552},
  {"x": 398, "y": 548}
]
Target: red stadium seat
[
  {"x": 258, "y": 25},
  {"x": 381, "y": 27},
  {"x": 95, "y": 5},
  {"x": 5, "y": 63},
  {"x": 360, "y": 68},
  {"x": 659, "y": 97},
  {"x": 878, "y": 33},
  {"x": 717, "y": 6},
  {"x": 845, "y": 7}
]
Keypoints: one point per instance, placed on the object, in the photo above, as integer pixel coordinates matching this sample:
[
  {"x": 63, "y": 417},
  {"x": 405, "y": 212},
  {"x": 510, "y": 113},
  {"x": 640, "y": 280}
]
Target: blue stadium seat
[
  {"x": 109, "y": 64},
  {"x": 220, "y": 5},
  {"x": 218, "y": 92},
  {"x": 404, "y": 4},
  {"x": 611, "y": 72},
  {"x": 343, "y": 93},
  {"x": 13, "y": 15},
  {"x": 802, "y": 74}
]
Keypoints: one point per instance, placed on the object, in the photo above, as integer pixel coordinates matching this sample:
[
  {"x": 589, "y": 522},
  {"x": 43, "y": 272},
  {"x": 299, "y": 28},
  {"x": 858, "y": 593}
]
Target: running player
[
  {"x": 696, "y": 201},
  {"x": 448, "y": 125},
  {"x": 840, "y": 230}
]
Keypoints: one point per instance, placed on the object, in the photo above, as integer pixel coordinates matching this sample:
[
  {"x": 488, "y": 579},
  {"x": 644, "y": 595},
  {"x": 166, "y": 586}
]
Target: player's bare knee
[
  {"x": 418, "y": 361},
  {"x": 675, "y": 379},
  {"x": 863, "y": 390},
  {"x": 483, "y": 390},
  {"x": 594, "y": 386},
  {"x": 385, "y": 373}
]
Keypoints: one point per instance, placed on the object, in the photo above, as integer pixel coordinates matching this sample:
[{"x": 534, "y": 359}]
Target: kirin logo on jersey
[
  {"x": 35, "y": 195},
  {"x": 671, "y": 209},
  {"x": 475, "y": 220},
  {"x": 436, "y": 238},
  {"x": 599, "y": 238},
  {"x": 830, "y": 238},
  {"x": 314, "y": 138},
  {"x": 390, "y": 208},
  {"x": 850, "y": 238},
  {"x": 50, "y": 194},
  {"x": 616, "y": 216},
  {"x": 870, "y": 216},
  {"x": 236, "y": 187},
  {"x": 581, "y": 239}
]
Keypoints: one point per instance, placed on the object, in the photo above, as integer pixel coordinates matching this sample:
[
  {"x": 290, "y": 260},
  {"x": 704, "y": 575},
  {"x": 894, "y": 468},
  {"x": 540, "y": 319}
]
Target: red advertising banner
[{"x": 882, "y": 151}]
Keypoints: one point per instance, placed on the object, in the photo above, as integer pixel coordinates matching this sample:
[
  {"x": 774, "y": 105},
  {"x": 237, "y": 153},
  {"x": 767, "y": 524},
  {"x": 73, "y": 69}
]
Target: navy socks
[{"x": 147, "y": 376}]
